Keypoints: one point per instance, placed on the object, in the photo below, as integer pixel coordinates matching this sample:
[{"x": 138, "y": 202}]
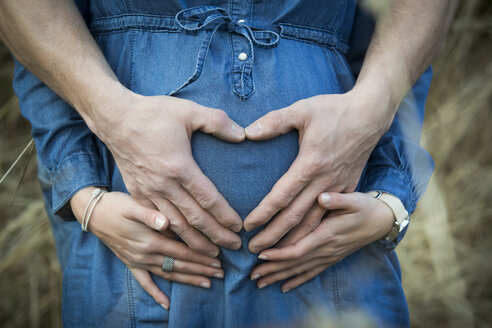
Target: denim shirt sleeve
[
  {"x": 398, "y": 165},
  {"x": 66, "y": 147}
]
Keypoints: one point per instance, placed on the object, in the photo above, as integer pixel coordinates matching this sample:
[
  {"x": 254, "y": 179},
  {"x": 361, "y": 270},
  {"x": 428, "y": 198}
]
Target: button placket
[
  {"x": 242, "y": 36},
  {"x": 242, "y": 59}
]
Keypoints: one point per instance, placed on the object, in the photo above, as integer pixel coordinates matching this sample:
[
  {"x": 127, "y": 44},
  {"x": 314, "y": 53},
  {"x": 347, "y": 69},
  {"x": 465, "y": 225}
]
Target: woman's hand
[
  {"x": 354, "y": 221},
  {"x": 336, "y": 136},
  {"x": 150, "y": 142},
  {"x": 119, "y": 222}
]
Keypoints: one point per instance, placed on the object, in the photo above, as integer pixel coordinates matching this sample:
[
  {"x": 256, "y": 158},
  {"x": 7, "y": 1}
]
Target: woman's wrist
[
  {"x": 385, "y": 217},
  {"x": 79, "y": 201}
]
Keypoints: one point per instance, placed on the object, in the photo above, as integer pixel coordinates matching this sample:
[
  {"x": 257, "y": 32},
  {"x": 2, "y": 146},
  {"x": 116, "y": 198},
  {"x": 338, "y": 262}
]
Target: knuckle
[
  {"x": 329, "y": 238},
  {"x": 315, "y": 166},
  {"x": 138, "y": 258},
  {"x": 208, "y": 201},
  {"x": 196, "y": 220},
  {"x": 179, "y": 226},
  {"x": 174, "y": 169},
  {"x": 146, "y": 246},
  {"x": 125, "y": 256},
  {"x": 183, "y": 254},
  {"x": 311, "y": 224},
  {"x": 329, "y": 253},
  {"x": 292, "y": 219},
  {"x": 284, "y": 199},
  {"x": 174, "y": 172},
  {"x": 219, "y": 118},
  {"x": 275, "y": 119},
  {"x": 166, "y": 275}
]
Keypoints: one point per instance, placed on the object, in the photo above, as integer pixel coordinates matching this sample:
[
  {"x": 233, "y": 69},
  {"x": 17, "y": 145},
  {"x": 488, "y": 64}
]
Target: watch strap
[
  {"x": 394, "y": 203},
  {"x": 400, "y": 213}
]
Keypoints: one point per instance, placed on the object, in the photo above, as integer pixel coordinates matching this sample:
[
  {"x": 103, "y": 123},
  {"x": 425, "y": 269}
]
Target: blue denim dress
[{"x": 247, "y": 58}]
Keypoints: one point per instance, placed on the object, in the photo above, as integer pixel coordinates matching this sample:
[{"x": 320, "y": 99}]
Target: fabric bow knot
[{"x": 213, "y": 18}]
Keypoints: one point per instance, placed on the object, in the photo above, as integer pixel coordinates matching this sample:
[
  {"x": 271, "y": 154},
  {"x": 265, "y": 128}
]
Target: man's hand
[
  {"x": 354, "y": 221},
  {"x": 336, "y": 136},
  {"x": 338, "y": 132},
  {"x": 150, "y": 141}
]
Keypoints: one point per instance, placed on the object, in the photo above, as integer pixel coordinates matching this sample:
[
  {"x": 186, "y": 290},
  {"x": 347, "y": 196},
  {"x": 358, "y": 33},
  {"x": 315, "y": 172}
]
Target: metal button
[
  {"x": 241, "y": 21},
  {"x": 242, "y": 56}
]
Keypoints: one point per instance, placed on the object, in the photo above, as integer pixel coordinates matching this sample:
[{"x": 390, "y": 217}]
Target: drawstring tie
[{"x": 211, "y": 18}]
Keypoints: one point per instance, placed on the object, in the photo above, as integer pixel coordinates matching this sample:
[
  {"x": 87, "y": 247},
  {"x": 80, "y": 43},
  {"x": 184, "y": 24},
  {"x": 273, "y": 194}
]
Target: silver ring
[{"x": 167, "y": 264}]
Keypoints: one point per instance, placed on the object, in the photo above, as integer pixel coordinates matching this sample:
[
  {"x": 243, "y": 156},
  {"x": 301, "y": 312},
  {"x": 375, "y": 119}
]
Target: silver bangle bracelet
[{"x": 91, "y": 204}]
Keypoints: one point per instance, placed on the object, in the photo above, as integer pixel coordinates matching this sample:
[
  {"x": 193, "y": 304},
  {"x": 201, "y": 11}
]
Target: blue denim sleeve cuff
[
  {"x": 76, "y": 172},
  {"x": 395, "y": 182}
]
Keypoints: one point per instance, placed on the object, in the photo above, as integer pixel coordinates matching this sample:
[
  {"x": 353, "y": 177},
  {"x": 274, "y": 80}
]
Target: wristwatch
[{"x": 401, "y": 215}]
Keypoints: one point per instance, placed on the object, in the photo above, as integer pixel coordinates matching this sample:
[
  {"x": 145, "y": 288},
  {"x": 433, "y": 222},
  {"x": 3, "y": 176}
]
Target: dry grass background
[{"x": 445, "y": 259}]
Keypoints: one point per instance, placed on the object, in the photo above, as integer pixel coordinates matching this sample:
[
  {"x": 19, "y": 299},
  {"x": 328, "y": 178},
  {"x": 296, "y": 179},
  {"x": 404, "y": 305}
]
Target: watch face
[{"x": 393, "y": 233}]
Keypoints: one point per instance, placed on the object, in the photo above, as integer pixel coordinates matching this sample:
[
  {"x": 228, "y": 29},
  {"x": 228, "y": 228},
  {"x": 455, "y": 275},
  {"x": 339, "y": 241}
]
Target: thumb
[
  {"x": 151, "y": 218},
  {"x": 217, "y": 123},
  {"x": 336, "y": 201},
  {"x": 275, "y": 123}
]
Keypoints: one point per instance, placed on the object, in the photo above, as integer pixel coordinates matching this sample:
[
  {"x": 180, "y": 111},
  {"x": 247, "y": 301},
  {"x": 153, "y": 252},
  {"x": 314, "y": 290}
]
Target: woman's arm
[{"x": 338, "y": 132}]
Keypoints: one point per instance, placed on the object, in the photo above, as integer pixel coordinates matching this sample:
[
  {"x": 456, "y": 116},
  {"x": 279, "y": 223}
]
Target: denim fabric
[{"x": 295, "y": 49}]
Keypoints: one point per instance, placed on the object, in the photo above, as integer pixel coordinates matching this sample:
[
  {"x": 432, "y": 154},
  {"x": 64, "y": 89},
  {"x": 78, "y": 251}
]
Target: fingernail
[
  {"x": 325, "y": 198},
  {"x": 285, "y": 290},
  {"x": 254, "y": 129},
  {"x": 159, "y": 222},
  {"x": 215, "y": 265},
  {"x": 262, "y": 286},
  {"x": 205, "y": 285},
  {"x": 236, "y": 246},
  {"x": 213, "y": 253},
  {"x": 263, "y": 257},
  {"x": 219, "y": 275},
  {"x": 165, "y": 306},
  {"x": 237, "y": 228},
  {"x": 255, "y": 276},
  {"x": 237, "y": 130}
]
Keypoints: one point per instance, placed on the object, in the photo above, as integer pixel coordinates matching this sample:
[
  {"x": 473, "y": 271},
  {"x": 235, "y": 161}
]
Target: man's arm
[
  {"x": 51, "y": 39},
  {"x": 409, "y": 34},
  {"x": 339, "y": 132}
]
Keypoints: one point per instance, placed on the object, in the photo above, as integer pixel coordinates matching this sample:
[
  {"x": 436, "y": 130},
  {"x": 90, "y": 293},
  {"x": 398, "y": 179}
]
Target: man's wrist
[
  {"x": 104, "y": 108},
  {"x": 375, "y": 99}
]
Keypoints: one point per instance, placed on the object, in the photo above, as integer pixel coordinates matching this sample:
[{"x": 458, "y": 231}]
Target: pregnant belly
[{"x": 244, "y": 173}]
